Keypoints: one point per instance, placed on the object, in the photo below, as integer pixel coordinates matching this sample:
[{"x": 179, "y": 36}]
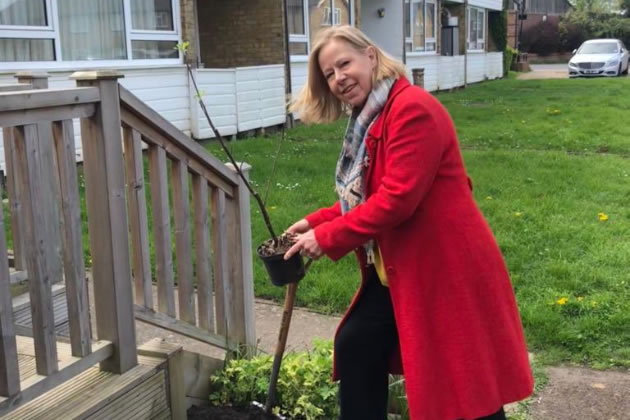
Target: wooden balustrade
[
  {"x": 220, "y": 244},
  {"x": 196, "y": 203}
]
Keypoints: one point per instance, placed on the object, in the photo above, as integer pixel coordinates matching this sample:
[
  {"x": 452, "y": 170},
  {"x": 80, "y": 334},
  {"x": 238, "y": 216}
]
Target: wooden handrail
[
  {"x": 39, "y": 98},
  {"x": 144, "y": 114}
]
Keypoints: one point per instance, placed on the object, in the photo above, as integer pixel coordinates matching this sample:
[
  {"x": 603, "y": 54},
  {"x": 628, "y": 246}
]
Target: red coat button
[{"x": 390, "y": 270}]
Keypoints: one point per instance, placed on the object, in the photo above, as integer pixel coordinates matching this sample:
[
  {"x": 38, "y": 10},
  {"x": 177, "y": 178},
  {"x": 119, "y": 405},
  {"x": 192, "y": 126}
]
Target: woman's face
[{"x": 348, "y": 71}]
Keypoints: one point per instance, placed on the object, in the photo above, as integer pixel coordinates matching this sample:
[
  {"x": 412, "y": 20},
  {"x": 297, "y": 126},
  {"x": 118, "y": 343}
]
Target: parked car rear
[{"x": 599, "y": 57}]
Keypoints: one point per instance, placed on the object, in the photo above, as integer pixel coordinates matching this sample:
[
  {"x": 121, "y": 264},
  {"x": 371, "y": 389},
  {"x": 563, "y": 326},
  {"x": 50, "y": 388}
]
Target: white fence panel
[
  {"x": 260, "y": 96},
  {"x": 451, "y": 72},
  {"x": 165, "y": 89},
  {"x": 430, "y": 64},
  {"x": 476, "y": 67},
  {"x": 218, "y": 91},
  {"x": 494, "y": 65}
]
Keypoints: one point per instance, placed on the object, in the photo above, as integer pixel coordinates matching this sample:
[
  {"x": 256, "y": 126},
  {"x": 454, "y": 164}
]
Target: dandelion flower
[
  {"x": 602, "y": 217},
  {"x": 580, "y": 298},
  {"x": 518, "y": 214},
  {"x": 562, "y": 301}
]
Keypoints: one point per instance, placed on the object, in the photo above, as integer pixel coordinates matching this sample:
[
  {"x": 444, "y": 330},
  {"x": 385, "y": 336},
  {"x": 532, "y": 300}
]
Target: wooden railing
[
  {"x": 47, "y": 233},
  {"x": 227, "y": 320}
]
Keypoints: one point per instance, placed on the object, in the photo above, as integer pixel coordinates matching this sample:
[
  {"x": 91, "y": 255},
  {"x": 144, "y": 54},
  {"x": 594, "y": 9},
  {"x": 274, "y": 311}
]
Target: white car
[{"x": 599, "y": 57}]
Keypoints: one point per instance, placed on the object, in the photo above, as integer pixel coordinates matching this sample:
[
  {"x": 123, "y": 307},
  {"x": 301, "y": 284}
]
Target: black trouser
[{"x": 363, "y": 347}]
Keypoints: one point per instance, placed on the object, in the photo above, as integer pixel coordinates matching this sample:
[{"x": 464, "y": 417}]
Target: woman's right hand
[{"x": 300, "y": 226}]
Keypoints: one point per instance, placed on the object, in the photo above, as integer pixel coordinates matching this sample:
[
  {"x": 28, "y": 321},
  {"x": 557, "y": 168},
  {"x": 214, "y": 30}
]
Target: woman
[{"x": 435, "y": 300}]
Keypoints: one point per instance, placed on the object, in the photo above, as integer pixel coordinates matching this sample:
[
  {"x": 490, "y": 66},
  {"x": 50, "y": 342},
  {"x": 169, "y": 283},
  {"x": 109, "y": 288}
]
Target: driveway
[{"x": 546, "y": 71}]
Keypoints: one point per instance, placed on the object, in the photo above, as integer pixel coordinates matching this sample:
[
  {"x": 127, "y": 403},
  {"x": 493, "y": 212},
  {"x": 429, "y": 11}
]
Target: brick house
[
  {"x": 537, "y": 12},
  {"x": 240, "y": 51}
]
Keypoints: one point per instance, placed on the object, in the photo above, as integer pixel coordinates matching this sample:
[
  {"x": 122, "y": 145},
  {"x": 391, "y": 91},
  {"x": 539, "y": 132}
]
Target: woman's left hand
[{"x": 307, "y": 244}]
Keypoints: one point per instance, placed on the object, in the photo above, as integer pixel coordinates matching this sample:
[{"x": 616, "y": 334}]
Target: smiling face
[{"x": 348, "y": 71}]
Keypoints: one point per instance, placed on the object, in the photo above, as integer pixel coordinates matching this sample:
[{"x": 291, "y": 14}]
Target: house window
[
  {"x": 25, "y": 31},
  {"x": 420, "y": 23},
  {"x": 306, "y": 18},
  {"x": 23, "y": 13},
  {"x": 92, "y": 30},
  {"x": 476, "y": 29},
  {"x": 85, "y": 30},
  {"x": 152, "y": 15},
  {"x": 330, "y": 18}
]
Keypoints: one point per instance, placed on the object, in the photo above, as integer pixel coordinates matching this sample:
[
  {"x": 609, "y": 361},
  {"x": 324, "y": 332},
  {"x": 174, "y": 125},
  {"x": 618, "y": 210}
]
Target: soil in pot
[
  {"x": 285, "y": 241},
  {"x": 281, "y": 271},
  {"x": 228, "y": 413}
]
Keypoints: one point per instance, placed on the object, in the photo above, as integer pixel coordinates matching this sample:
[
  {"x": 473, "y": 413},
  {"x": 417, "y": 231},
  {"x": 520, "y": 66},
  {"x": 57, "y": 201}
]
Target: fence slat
[
  {"x": 161, "y": 230},
  {"x": 138, "y": 217},
  {"x": 241, "y": 270},
  {"x": 15, "y": 200},
  {"x": 9, "y": 370},
  {"x": 202, "y": 253},
  {"x": 181, "y": 205},
  {"x": 76, "y": 288},
  {"x": 107, "y": 218},
  {"x": 36, "y": 210},
  {"x": 223, "y": 290}
]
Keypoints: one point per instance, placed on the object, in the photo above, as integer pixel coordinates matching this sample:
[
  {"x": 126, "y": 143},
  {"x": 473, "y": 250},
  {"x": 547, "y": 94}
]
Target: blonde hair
[{"x": 315, "y": 103}]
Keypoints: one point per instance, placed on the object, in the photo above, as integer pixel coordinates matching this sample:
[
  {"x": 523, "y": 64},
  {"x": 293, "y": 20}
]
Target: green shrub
[
  {"x": 541, "y": 39},
  {"x": 305, "y": 389},
  {"x": 508, "y": 57}
]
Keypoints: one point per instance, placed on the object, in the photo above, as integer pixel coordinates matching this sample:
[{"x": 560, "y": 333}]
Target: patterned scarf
[{"x": 354, "y": 159}]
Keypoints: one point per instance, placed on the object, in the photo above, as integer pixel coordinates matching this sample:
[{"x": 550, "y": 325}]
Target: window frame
[
  {"x": 52, "y": 31},
  {"x": 305, "y": 38},
  {"x": 409, "y": 39},
  {"x": 483, "y": 29}
]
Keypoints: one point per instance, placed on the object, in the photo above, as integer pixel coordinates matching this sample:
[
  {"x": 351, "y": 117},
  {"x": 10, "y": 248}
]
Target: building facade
[{"x": 240, "y": 51}]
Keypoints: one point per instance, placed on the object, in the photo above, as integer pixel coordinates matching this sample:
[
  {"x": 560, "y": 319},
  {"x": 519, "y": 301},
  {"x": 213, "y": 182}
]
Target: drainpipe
[
  {"x": 465, "y": 43},
  {"x": 404, "y": 45},
  {"x": 287, "y": 64}
]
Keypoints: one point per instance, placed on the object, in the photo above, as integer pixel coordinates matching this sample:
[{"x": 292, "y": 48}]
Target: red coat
[{"x": 461, "y": 340}]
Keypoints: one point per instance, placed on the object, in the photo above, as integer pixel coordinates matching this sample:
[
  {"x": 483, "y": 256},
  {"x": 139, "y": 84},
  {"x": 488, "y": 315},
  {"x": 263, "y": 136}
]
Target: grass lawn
[
  {"x": 551, "y": 170},
  {"x": 546, "y": 158}
]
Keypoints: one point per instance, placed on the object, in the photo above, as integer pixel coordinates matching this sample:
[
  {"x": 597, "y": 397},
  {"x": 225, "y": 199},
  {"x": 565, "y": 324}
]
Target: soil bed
[{"x": 228, "y": 413}]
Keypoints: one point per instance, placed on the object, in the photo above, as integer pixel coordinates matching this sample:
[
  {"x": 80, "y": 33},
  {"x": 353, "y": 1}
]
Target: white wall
[{"x": 386, "y": 32}]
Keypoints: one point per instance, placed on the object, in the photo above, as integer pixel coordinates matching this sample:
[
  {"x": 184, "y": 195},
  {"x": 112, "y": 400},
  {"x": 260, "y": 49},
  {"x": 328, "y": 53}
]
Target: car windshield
[{"x": 599, "y": 48}]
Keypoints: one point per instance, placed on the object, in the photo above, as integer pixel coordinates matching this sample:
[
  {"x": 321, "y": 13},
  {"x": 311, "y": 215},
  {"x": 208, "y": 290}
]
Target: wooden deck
[
  {"x": 23, "y": 319},
  {"x": 140, "y": 393}
]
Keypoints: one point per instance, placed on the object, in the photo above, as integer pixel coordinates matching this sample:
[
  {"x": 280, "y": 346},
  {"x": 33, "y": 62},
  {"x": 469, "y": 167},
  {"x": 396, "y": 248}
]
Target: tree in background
[{"x": 595, "y": 19}]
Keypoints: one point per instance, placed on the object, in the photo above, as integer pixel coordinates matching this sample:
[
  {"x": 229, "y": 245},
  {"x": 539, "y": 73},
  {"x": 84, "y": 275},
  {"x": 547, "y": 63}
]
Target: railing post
[
  {"x": 241, "y": 270},
  {"x": 37, "y": 81},
  {"x": 9, "y": 371},
  {"x": 107, "y": 220}
]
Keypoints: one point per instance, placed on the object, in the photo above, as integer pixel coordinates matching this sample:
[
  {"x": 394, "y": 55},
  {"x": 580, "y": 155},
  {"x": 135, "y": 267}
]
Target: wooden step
[
  {"x": 33, "y": 385},
  {"x": 140, "y": 393}
]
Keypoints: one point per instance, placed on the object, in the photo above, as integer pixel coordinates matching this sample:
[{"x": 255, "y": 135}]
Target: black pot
[{"x": 281, "y": 271}]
